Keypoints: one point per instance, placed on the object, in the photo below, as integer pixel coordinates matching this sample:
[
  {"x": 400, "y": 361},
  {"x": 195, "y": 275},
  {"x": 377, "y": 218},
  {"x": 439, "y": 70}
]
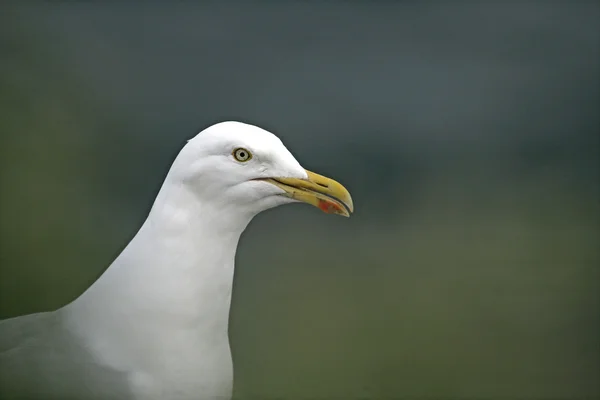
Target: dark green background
[{"x": 468, "y": 135}]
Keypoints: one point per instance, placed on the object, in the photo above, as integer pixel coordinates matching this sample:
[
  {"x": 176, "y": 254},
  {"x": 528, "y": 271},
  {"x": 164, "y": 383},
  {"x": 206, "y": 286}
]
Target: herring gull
[{"x": 154, "y": 325}]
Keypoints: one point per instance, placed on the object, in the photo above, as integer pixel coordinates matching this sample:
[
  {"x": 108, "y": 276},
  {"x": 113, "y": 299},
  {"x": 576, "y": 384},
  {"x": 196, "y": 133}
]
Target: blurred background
[{"x": 468, "y": 135}]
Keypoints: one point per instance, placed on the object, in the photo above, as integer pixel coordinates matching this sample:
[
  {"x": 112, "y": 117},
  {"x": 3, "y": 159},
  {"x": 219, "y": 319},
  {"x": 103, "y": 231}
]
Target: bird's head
[{"x": 241, "y": 166}]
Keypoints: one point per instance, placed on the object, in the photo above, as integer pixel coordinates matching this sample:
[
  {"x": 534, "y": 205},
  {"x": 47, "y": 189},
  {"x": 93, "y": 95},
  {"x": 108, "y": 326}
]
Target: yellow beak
[{"x": 320, "y": 191}]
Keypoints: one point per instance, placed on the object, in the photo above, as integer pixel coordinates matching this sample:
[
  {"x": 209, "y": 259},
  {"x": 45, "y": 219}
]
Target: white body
[
  {"x": 160, "y": 312},
  {"x": 156, "y": 322}
]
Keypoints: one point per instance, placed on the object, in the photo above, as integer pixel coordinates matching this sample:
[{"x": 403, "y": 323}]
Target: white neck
[{"x": 170, "y": 287}]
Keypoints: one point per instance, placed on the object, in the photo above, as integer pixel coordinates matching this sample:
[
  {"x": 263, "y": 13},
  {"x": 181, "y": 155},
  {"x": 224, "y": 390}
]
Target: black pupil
[{"x": 242, "y": 154}]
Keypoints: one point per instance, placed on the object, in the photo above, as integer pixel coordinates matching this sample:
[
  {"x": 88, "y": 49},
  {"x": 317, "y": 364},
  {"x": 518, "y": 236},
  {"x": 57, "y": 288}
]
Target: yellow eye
[{"x": 242, "y": 155}]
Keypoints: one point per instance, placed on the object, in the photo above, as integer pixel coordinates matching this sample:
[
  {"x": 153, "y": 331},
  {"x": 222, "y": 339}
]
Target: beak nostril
[{"x": 322, "y": 185}]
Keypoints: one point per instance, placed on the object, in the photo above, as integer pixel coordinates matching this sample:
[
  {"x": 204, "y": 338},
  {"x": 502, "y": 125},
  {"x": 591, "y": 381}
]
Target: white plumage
[{"x": 154, "y": 325}]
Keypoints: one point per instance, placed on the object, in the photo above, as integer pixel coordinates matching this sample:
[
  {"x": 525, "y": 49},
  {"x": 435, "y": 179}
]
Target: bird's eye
[{"x": 242, "y": 155}]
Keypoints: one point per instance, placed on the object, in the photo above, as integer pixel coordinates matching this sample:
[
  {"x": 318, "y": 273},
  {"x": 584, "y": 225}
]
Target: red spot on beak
[{"x": 328, "y": 207}]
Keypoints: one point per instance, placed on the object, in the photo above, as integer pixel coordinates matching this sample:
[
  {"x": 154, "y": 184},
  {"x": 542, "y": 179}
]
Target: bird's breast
[{"x": 188, "y": 372}]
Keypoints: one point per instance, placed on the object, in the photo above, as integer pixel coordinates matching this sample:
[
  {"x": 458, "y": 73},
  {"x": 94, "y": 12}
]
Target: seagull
[{"x": 155, "y": 324}]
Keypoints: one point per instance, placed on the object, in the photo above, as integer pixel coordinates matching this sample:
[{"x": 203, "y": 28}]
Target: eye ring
[{"x": 241, "y": 154}]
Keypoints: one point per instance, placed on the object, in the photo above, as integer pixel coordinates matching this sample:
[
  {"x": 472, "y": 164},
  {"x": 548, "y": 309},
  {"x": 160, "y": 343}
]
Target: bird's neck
[{"x": 171, "y": 283}]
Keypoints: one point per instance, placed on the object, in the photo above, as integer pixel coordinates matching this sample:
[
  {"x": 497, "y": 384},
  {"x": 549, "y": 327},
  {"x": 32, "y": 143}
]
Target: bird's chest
[
  {"x": 186, "y": 370},
  {"x": 167, "y": 359}
]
